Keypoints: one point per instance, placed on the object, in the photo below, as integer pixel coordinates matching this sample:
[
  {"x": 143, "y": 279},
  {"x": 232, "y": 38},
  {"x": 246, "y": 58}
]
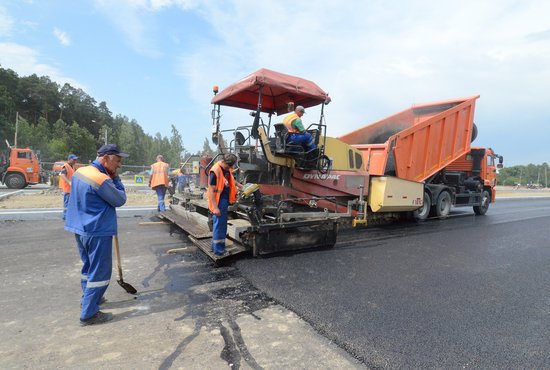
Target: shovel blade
[{"x": 127, "y": 287}]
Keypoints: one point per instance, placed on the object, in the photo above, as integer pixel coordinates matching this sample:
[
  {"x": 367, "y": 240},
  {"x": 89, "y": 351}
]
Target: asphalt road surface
[{"x": 466, "y": 292}]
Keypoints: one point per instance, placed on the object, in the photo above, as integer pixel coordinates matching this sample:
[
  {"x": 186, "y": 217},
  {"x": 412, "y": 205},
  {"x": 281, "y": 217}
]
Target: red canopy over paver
[{"x": 278, "y": 89}]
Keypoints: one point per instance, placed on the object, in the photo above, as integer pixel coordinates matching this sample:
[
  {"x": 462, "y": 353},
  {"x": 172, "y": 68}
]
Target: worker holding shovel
[{"x": 91, "y": 215}]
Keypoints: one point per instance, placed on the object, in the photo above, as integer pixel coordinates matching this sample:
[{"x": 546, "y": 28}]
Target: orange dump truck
[
  {"x": 19, "y": 167},
  {"x": 431, "y": 143}
]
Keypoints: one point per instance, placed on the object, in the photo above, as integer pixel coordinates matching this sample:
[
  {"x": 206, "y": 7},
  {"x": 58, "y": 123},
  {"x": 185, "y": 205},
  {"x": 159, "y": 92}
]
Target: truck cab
[
  {"x": 480, "y": 164},
  {"x": 19, "y": 168}
]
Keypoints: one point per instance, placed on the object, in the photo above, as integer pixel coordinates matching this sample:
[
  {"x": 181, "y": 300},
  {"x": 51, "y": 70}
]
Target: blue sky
[{"x": 156, "y": 60}]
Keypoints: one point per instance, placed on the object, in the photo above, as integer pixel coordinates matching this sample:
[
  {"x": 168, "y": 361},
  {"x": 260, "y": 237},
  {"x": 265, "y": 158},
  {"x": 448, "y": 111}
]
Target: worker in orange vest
[
  {"x": 159, "y": 180},
  {"x": 222, "y": 191},
  {"x": 65, "y": 179}
]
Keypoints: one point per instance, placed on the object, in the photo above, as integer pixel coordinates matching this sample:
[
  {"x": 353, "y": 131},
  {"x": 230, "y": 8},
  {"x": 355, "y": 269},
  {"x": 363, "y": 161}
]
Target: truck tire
[
  {"x": 15, "y": 181},
  {"x": 485, "y": 201},
  {"x": 474, "y": 132},
  {"x": 423, "y": 212},
  {"x": 443, "y": 204}
]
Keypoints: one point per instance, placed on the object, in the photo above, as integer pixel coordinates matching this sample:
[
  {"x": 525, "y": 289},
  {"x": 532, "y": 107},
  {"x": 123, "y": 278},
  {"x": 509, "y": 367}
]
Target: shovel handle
[{"x": 118, "y": 263}]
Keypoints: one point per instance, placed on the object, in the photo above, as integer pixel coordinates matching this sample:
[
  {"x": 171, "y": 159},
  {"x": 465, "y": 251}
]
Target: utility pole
[
  {"x": 16, "y": 127},
  {"x": 545, "y": 178},
  {"x": 520, "y": 173}
]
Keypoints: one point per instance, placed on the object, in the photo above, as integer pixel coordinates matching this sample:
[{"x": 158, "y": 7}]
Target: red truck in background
[{"x": 20, "y": 167}]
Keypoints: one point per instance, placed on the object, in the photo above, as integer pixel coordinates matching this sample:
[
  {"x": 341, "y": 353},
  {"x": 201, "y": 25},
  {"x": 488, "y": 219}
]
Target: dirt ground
[{"x": 53, "y": 198}]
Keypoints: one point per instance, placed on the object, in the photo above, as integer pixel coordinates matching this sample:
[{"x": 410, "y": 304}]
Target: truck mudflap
[{"x": 291, "y": 236}]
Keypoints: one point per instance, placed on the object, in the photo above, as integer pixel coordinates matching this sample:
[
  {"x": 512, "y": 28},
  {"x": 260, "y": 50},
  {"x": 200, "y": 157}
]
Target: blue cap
[
  {"x": 72, "y": 156},
  {"x": 111, "y": 149}
]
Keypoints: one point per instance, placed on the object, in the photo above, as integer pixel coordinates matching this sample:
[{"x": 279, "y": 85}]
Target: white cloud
[
  {"x": 127, "y": 18},
  {"x": 154, "y": 5},
  {"x": 6, "y": 22},
  {"x": 376, "y": 58},
  {"x": 25, "y": 61},
  {"x": 182, "y": 4},
  {"x": 132, "y": 19},
  {"x": 62, "y": 36}
]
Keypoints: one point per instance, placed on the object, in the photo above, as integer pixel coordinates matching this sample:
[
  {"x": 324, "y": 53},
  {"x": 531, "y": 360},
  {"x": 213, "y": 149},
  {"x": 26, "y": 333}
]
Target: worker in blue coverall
[
  {"x": 95, "y": 193},
  {"x": 182, "y": 180},
  {"x": 222, "y": 191}
]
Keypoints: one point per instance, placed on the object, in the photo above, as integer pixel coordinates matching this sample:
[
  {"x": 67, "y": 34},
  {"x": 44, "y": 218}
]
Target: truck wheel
[
  {"x": 423, "y": 212},
  {"x": 485, "y": 201},
  {"x": 443, "y": 205},
  {"x": 474, "y": 132},
  {"x": 15, "y": 181}
]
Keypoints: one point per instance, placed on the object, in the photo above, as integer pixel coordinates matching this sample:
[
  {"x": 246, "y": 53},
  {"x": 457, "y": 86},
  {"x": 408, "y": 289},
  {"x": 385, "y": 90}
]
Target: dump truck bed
[{"x": 418, "y": 142}]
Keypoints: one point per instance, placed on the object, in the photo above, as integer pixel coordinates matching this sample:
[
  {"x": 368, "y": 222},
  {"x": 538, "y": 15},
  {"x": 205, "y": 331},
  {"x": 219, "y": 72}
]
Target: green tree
[
  {"x": 176, "y": 150},
  {"x": 7, "y": 113},
  {"x": 206, "y": 149},
  {"x": 57, "y": 149},
  {"x": 81, "y": 142}
]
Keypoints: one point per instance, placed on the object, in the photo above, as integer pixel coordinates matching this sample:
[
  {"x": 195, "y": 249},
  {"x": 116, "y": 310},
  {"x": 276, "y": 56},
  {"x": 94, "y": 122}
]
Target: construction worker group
[{"x": 91, "y": 195}]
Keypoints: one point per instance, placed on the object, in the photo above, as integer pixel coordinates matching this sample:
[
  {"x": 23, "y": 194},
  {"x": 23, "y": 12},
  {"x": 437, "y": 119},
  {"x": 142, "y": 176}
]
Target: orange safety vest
[
  {"x": 220, "y": 183},
  {"x": 159, "y": 174},
  {"x": 64, "y": 185},
  {"x": 287, "y": 121}
]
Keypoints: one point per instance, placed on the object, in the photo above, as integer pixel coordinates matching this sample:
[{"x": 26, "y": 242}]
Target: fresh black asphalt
[{"x": 466, "y": 292}]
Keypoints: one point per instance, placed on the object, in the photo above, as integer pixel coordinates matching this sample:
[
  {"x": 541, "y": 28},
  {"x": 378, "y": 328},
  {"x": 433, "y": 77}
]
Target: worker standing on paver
[
  {"x": 91, "y": 215},
  {"x": 222, "y": 191},
  {"x": 65, "y": 177},
  {"x": 159, "y": 180}
]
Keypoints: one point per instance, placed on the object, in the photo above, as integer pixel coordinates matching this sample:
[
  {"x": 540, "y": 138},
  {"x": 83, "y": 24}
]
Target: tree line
[
  {"x": 57, "y": 120},
  {"x": 531, "y": 174}
]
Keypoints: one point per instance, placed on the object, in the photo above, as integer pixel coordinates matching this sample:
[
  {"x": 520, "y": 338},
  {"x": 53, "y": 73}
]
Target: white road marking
[{"x": 11, "y": 193}]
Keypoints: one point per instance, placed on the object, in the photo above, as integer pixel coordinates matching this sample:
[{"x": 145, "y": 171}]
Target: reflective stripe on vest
[
  {"x": 220, "y": 183},
  {"x": 159, "y": 174},
  {"x": 64, "y": 185},
  {"x": 287, "y": 121}
]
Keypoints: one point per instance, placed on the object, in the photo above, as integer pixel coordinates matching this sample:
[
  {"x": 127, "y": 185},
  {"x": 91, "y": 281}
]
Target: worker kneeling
[
  {"x": 296, "y": 131},
  {"x": 222, "y": 191}
]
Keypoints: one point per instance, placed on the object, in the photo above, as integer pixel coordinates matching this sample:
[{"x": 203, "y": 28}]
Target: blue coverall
[
  {"x": 91, "y": 216},
  {"x": 219, "y": 226}
]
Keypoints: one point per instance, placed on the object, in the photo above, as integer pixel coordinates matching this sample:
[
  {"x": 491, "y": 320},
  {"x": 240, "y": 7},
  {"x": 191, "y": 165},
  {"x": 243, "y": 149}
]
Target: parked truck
[
  {"x": 297, "y": 199},
  {"x": 20, "y": 167}
]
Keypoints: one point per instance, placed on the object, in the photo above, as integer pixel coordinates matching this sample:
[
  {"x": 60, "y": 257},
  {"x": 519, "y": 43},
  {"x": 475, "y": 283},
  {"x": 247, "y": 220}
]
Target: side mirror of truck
[{"x": 500, "y": 165}]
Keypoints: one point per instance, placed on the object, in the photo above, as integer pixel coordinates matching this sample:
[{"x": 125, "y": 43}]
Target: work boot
[{"x": 98, "y": 318}]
